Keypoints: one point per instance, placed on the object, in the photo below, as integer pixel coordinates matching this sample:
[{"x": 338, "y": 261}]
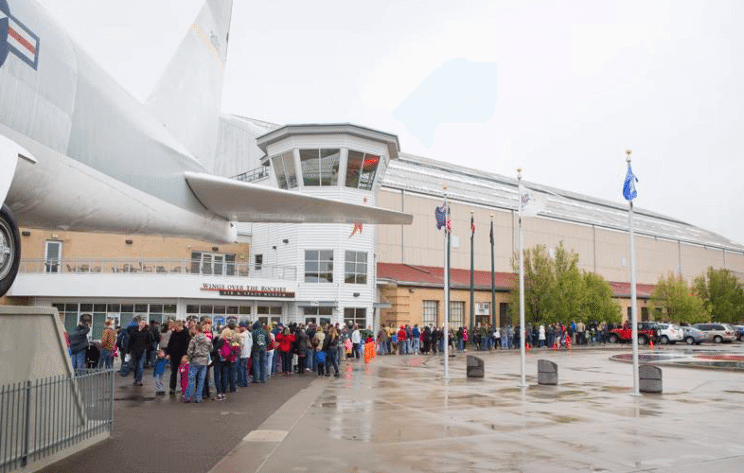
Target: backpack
[{"x": 229, "y": 351}]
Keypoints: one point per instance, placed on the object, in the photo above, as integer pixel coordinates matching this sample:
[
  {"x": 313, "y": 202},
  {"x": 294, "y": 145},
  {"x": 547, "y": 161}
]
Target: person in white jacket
[
  {"x": 541, "y": 335},
  {"x": 246, "y": 344}
]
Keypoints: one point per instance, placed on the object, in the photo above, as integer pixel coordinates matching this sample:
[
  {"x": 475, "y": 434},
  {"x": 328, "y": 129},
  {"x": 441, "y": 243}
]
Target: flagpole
[
  {"x": 633, "y": 296},
  {"x": 522, "y": 355},
  {"x": 472, "y": 280},
  {"x": 493, "y": 283},
  {"x": 446, "y": 287}
]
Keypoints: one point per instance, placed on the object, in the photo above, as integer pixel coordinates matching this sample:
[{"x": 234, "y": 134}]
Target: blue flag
[
  {"x": 441, "y": 215},
  {"x": 629, "y": 189}
]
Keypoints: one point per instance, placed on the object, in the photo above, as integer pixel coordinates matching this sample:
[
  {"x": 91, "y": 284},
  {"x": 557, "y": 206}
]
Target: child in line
[
  {"x": 183, "y": 368},
  {"x": 157, "y": 372}
]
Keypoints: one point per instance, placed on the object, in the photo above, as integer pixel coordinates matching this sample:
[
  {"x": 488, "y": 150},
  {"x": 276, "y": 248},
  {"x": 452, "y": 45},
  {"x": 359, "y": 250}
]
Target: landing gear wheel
[{"x": 10, "y": 249}]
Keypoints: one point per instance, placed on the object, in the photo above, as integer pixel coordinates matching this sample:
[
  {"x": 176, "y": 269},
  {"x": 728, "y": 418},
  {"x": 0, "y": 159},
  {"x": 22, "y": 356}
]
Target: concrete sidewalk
[
  {"x": 161, "y": 434},
  {"x": 398, "y": 414}
]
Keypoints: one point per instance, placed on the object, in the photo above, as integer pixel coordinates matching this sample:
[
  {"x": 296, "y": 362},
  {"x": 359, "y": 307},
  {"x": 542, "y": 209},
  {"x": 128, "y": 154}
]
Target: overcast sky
[{"x": 565, "y": 86}]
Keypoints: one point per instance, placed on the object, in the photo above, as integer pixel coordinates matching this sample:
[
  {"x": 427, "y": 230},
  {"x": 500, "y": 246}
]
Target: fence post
[
  {"x": 27, "y": 439},
  {"x": 113, "y": 379}
]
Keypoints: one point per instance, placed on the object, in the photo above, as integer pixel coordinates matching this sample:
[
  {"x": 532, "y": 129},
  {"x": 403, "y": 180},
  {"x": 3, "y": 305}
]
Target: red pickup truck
[{"x": 647, "y": 331}]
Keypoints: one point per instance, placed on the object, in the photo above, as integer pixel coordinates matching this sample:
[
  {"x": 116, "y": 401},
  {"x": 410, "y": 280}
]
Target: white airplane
[{"x": 78, "y": 152}]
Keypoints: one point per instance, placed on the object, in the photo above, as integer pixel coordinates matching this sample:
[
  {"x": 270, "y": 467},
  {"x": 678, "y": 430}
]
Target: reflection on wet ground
[
  {"x": 399, "y": 414},
  {"x": 713, "y": 359}
]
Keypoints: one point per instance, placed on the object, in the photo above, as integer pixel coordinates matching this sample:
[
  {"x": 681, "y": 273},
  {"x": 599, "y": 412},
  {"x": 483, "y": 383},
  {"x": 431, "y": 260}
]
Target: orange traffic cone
[
  {"x": 568, "y": 342},
  {"x": 527, "y": 347},
  {"x": 555, "y": 345}
]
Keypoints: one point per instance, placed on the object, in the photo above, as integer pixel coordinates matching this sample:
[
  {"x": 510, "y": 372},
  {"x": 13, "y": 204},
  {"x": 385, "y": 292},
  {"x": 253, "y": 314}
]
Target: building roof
[
  {"x": 432, "y": 276},
  {"x": 425, "y": 176}
]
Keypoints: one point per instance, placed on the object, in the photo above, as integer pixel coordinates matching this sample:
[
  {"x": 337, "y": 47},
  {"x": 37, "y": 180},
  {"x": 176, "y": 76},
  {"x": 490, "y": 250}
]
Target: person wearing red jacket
[
  {"x": 402, "y": 341},
  {"x": 285, "y": 340}
]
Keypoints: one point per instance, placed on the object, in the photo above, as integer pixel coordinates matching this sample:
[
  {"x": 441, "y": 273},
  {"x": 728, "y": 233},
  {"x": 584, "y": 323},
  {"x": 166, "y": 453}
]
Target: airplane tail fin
[{"x": 188, "y": 96}]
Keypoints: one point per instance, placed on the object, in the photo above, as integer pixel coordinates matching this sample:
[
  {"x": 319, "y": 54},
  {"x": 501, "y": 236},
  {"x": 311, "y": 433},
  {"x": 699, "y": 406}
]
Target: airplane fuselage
[{"x": 104, "y": 162}]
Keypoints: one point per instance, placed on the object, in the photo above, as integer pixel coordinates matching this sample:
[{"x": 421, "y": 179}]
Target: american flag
[{"x": 472, "y": 225}]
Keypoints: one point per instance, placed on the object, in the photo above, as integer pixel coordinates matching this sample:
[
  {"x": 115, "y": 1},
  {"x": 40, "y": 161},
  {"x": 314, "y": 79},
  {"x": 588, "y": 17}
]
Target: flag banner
[
  {"x": 440, "y": 213},
  {"x": 629, "y": 188},
  {"x": 472, "y": 225},
  {"x": 490, "y": 235},
  {"x": 530, "y": 203}
]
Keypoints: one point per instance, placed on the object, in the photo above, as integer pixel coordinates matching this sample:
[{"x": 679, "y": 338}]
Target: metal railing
[
  {"x": 155, "y": 266},
  {"x": 41, "y": 417},
  {"x": 253, "y": 175}
]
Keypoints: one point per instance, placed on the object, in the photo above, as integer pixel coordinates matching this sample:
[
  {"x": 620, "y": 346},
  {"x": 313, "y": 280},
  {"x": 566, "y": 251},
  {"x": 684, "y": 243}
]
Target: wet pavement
[{"x": 398, "y": 414}]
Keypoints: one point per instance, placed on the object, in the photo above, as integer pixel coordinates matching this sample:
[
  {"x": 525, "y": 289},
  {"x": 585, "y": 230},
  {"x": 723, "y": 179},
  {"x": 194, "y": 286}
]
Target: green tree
[
  {"x": 598, "y": 305},
  {"x": 678, "y": 301},
  {"x": 556, "y": 290},
  {"x": 722, "y": 294}
]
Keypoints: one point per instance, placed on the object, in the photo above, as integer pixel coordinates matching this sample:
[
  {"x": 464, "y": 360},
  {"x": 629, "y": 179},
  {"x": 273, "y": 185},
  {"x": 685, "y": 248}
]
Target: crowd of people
[
  {"x": 430, "y": 340},
  {"x": 215, "y": 361}
]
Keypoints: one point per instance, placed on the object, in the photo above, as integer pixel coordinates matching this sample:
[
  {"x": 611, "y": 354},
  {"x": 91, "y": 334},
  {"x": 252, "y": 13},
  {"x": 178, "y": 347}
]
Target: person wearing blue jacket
[{"x": 79, "y": 343}]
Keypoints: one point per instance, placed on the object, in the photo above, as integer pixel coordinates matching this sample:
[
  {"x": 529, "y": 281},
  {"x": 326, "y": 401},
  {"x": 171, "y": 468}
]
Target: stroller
[{"x": 92, "y": 355}]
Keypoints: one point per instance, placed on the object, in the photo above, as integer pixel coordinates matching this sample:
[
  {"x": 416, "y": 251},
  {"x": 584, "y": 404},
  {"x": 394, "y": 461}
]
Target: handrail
[{"x": 162, "y": 267}]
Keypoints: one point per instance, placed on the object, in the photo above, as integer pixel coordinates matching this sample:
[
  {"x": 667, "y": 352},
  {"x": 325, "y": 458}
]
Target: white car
[{"x": 670, "y": 333}]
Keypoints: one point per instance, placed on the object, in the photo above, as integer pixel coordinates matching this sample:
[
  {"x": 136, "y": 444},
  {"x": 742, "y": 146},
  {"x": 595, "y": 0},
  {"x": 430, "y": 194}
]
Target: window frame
[
  {"x": 357, "y": 276},
  {"x": 319, "y": 263}
]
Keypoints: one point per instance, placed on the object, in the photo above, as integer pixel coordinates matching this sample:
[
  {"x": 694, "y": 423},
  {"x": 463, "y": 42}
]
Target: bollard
[
  {"x": 475, "y": 367},
  {"x": 547, "y": 372},
  {"x": 649, "y": 379}
]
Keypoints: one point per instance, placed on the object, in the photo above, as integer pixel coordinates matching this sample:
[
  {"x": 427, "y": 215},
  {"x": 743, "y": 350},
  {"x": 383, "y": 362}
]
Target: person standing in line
[
  {"x": 139, "y": 341},
  {"x": 285, "y": 340},
  {"x": 302, "y": 347},
  {"x": 402, "y": 341},
  {"x": 382, "y": 340},
  {"x": 260, "y": 340},
  {"x": 79, "y": 343},
  {"x": 108, "y": 343},
  {"x": 198, "y": 354},
  {"x": 246, "y": 345},
  {"x": 330, "y": 346},
  {"x": 541, "y": 335},
  {"x": 320, "y": 355},
  {"x": 356, "y": 342},
  {"x": 178, "y": 344},
  {"x": 416, "y": 339},
  {"x": 310, "y": 352}
]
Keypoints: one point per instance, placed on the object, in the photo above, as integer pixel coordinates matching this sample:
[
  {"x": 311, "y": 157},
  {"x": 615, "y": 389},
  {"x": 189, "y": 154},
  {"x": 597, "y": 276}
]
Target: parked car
[
  {"x": 669, "y": 333},
  {"x": 717, "y": 333},
  {"x": 647, "y": 331},
  {"x": 693, "y": 336}
]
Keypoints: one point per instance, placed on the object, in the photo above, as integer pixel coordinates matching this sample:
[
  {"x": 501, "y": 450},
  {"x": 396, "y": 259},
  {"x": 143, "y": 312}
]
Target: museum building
[{"x": 352, "y": 273}]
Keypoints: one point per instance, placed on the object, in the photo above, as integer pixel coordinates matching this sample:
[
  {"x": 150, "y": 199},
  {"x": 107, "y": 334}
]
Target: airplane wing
[{"x": 244, "y": 202}]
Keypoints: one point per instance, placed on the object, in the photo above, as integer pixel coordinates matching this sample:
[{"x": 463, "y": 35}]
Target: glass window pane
[
  {"x": 99, "y": 307},
  {"x": 369, "y": 169},
  {"x": 125, "y": 319},
  {"x": 325, "y": 311},
  {"x": 86, "y": 307},
  {"x": 361, "y": 257},
  {"x": 244, "y": 310},
  {"x": 310, "y": 163},
  {"x": 349, "y": 267},
  {"x": 310, "y": 310},
  {"x": 326, "y": 255},
  {"x": 71, "y": 319},
  {"x": 71, "y": 307},
  {"x": 353, "y": 168},
  {"x": 276, "y": 310},
  {"x": 127, "y": 308},
  {"x": 169, "y": 309},
  {"x": 326, "y": 266},
  {"x": 311, "y": 267},
  {"x": 311, "y": 255},
  {"x": 289, "y": 169},
  {"x": 325, "y": 277},
  {"x": 263, "y": 310},
  {"x": 361, "y": 279},
  {"x": 192, "y": 309},
  {"x": 329, "y": 163},
  {"x": 281, "y": 178},
  {"x": 232, "y": 310},
  {"x": 219, "y": 309},
  {"x": 156, "y": 308},
  {"x": 140, "y": 308},
  {"x": 205, "y": 309},
  {"x": 114, "y": 308}
]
